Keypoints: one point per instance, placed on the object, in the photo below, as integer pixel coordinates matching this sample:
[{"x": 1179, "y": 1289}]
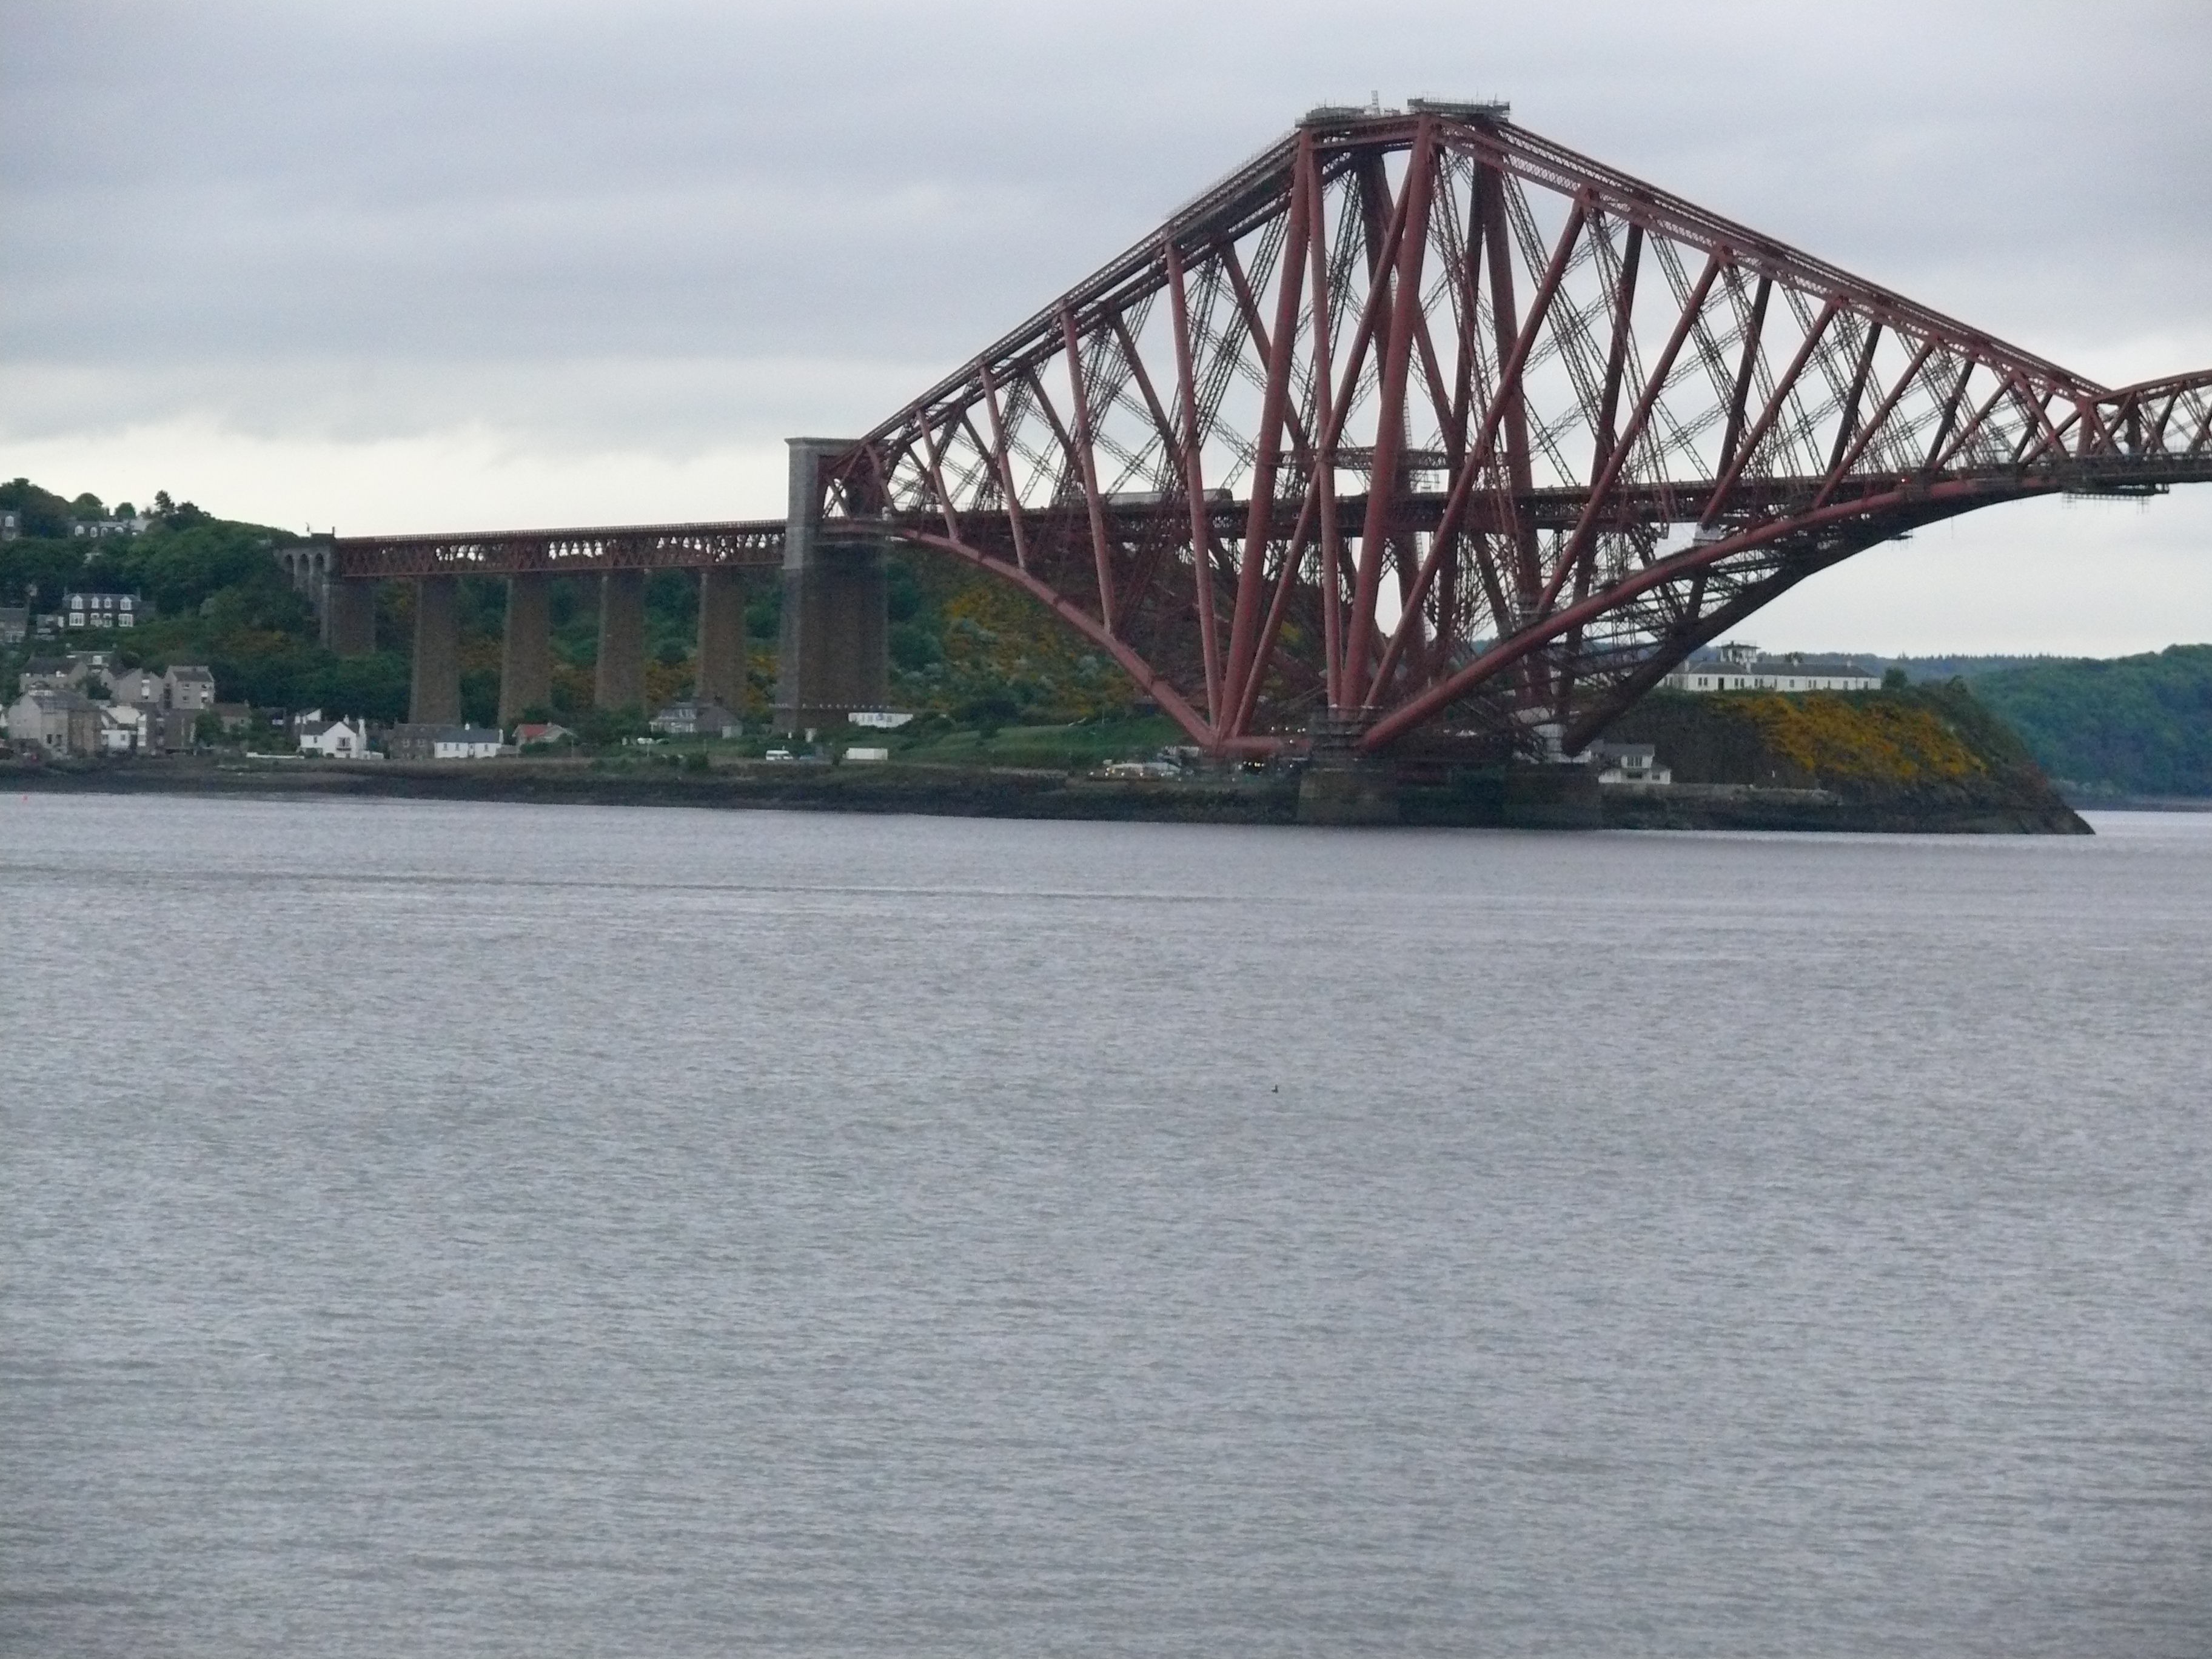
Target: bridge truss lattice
[{"x": 1420, "y": 421}]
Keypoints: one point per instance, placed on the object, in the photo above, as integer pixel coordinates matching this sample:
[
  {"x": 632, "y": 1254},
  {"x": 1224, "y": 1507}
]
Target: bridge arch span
[
  {"x": 1418, "y": 420},
  {"x": 1418, "y": 417}
]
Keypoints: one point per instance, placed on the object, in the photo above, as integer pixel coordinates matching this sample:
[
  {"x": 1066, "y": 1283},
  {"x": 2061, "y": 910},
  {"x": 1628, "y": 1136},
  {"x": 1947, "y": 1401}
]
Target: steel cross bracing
[{"x": 1419, "y": 421}]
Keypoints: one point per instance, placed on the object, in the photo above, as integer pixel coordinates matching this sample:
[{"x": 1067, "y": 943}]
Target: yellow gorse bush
[{"x": 1847, "y": 738}]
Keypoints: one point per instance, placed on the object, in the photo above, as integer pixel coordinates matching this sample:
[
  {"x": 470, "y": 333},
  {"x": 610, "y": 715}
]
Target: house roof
[
  {"x": 448, "y": 733},
  {"x": 1830, "y": 665},
  {"x": 691, "y": 709},
  {"x": 190, "y": 672}
]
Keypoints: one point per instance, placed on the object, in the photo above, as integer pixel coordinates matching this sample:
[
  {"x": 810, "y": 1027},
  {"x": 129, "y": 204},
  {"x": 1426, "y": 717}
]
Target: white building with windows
[
  {"x": 102, "y": 610},
  {"x": 127, "y": 729},
  {"x": 1735, "y": 667},
  {"x": 695, "y": 717},
  {"x": 426, "y": 742},
  {"x": 99, "y": 529},
  {"x": 335, "y": 739},
  {"x": 1627, "y": 765}
]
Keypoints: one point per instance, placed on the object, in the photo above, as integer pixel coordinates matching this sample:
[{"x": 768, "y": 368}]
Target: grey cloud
[
  {"x": 675, "y": 221},
  {"x": 568, "y": 405}
]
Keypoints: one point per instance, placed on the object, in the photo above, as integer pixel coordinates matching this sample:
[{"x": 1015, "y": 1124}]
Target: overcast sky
[{"x": 404, "y": 265}]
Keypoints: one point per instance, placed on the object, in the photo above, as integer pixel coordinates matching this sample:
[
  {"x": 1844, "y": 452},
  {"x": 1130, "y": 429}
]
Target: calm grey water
[{"x": 482, "y": 1230}]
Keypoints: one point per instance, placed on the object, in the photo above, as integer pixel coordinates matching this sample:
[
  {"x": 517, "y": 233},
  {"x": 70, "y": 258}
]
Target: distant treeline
[{"x": 2132, "y": 725}]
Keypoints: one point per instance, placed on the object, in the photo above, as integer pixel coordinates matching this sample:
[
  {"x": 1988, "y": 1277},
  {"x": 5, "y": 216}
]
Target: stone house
[
  {"x": 67, "y": 674},
  {"x": 46, "y": 674},
  {"x": 57, "y": 722},
  {"x": 143, "y": 685},
  {"x": 188, "y": 686}
]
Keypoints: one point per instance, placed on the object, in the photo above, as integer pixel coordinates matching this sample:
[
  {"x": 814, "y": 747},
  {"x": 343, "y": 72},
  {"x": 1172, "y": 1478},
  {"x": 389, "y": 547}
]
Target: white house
[
  {"x": 420, "y": 743},
  {"x": 1627, "y": 765},
  {"x": 128, "y": 729},
  {"x": 1747, "y": 668},
  {"x": 335, "y": 739},
  {"x": 693, "y": 718}
]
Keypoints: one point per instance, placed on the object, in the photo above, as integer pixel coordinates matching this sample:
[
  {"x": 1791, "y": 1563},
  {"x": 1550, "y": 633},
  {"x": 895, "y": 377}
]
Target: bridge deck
[
  {"x": 758, "y": 543},
  {"x": 743, "y": 543}
]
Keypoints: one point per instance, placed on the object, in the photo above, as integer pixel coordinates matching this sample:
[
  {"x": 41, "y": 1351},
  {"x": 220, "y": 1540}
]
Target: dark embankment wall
[{"x": 1913, "y": 760}]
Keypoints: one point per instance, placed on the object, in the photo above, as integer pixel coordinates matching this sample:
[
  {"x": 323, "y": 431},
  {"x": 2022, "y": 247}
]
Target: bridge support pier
[
  {"x": 721, "y": 677},
  {"x": 834, "y": 655},
  {"x": 619, "y": 680},
  {"x": 526, "y": 663},
  {"x": 435, "y": 698},
  {"x": 350, "y": 616},
  {"x": 1341, "y": 786}
]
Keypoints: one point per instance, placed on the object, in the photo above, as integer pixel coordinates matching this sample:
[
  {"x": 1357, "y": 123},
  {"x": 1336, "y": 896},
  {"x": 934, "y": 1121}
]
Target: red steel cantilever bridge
[{"x": 1418, "y": 422}]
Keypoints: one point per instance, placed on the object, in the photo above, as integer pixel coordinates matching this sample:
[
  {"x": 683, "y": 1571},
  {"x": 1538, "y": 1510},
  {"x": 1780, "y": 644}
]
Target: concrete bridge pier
[
  {"x": 526, "y": 663},
  {"x": 619, "y": 681},
  {"x": 350, "y": 616},
  {"x": 1342, "y": 787},
  {"x": 721, "y": 677},
  {"x": 435, "y": 698},
  {"x": 834, "y": 655}
]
